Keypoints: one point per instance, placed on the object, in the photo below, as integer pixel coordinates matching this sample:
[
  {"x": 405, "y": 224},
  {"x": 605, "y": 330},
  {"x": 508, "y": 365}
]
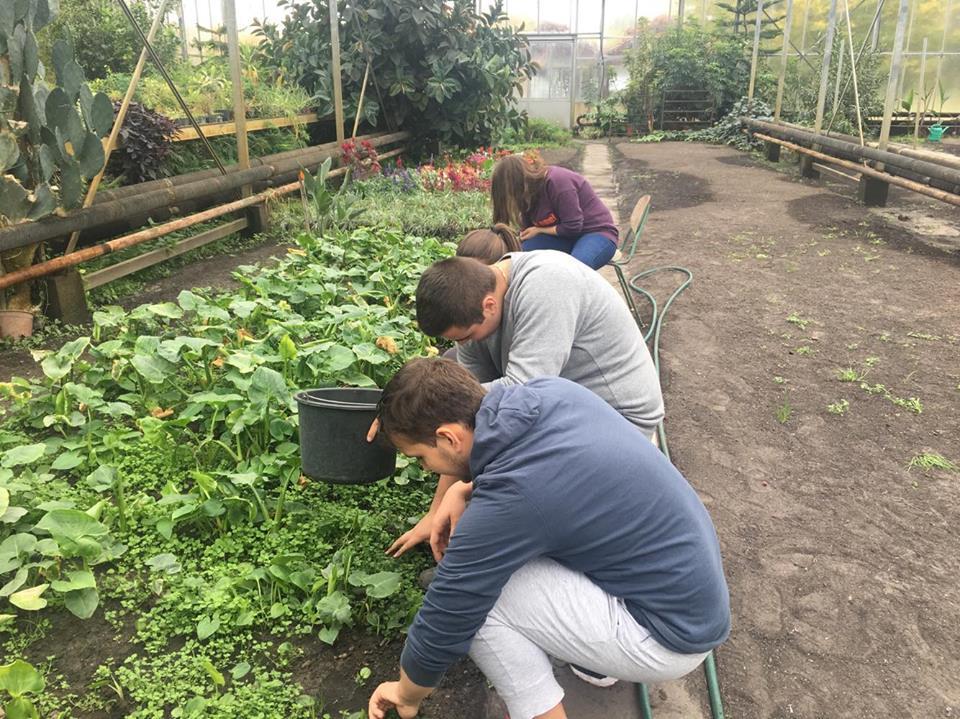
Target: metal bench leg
[{"x": 628, "y": 295}]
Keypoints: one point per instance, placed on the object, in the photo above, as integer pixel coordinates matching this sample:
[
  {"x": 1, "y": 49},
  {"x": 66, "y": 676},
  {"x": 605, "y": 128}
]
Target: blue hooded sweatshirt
[{"x": 559, "y": 473}]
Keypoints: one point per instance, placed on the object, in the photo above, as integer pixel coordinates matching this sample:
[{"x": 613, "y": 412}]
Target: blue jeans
[{"x": 593, "y": 249}]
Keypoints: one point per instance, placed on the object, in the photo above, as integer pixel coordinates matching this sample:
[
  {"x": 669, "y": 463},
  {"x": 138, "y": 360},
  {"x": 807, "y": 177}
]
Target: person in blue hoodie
[{"x": 580, "y": 542}]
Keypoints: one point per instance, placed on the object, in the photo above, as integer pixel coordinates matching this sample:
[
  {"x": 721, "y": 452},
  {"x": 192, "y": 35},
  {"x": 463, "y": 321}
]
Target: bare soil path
[{"x": 842, "y": 561}]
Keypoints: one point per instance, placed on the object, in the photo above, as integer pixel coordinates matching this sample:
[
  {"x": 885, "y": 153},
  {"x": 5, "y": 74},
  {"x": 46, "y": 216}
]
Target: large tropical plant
[
  {"x": 441, "y": 69},
  {"x": 50, "y": 139}
]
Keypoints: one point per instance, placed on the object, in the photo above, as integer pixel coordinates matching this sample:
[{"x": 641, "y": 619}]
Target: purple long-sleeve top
[{"x": 568, "y": 201}]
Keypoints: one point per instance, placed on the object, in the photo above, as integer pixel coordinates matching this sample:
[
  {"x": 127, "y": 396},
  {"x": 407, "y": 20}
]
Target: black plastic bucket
[{"x": 333, "y": 436}]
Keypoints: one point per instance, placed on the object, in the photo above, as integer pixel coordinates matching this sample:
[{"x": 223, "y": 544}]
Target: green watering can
[{"x": 935, "y": 133}]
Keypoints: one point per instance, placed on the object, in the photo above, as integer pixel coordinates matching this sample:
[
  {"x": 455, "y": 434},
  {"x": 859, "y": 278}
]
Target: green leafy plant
[
  {"x": 784, "y": 411},
  {"x": 18, "y": 680},
  {"x": 326, "y": 209},
  {"x": 932, "y": 460},
  {"x": 839, "y": 407},
  {"x": 147, "y": 142}
]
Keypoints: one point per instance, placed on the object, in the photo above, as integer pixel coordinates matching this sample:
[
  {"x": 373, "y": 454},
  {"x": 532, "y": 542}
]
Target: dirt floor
[{"x": 842, "y": 562}]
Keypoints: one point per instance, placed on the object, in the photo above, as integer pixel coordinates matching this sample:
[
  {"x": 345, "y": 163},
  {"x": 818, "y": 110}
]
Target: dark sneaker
[{"x": 426, "y": 576}]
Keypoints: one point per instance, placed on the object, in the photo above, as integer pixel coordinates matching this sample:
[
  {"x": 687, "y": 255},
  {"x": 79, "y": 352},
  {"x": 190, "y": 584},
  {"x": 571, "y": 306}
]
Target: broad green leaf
[
  {"x": 328, "y": 635},
  {"x": 214, "y": 398},
  {"x": 58, "y": 365},
  {"x": 19, "y": 579},
  {"x": 153, "y": 369},
  {"x": 267, "y": 384},
  {"x": 288, "y": 349},
  {"x": 24, "y": 454},
  {"x": 381, "y": 584},
  {"x": 12, "y": 514},
  {"x": 335, "y": 607},
  {"x": 164, "y": 563},
  {"x": 30, "y": 599},
  {"x": 4, "y": 500},
  {"x": 239, "y": 671},
  {"x": 76, "y": 579},
  {"x": 207, "y": 627},
  {"x": 67, "y": 460},
  {"x": 71, "y": 524},
  {"x": 102, "y": 478},
  {"x": 165, "y": 309},
  {"x": 215, "y": 676},
  {"x": 82, "y": 602},
  {"x": 20, "y": 678},
  {"x": 18, "y": 544},
  {"x": 21, "y": 708},
  {"x": 243, "y": 361},
  {"x": 367, "y": 352},
  {"x": 338, "y": 358}
]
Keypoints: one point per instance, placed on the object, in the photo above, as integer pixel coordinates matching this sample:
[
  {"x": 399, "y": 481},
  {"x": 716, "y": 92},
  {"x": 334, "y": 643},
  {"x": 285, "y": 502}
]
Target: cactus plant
[{"x": 50, "y": 139}]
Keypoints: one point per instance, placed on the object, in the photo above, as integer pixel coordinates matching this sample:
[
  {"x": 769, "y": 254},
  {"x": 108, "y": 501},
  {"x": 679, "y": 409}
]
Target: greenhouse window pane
[{"x": 556, "y": 16}]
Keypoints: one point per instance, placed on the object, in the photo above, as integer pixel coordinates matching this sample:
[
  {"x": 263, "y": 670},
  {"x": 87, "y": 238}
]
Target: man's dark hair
[
  {"x": 451, "y": 292},
  {"x": 425, "y": 394}
]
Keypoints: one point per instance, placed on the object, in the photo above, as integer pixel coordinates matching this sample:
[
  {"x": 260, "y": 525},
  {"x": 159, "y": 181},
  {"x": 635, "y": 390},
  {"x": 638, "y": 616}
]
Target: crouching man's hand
[
  {"x": 404, "y": 696},
  {"x": 445, "y": 519}
]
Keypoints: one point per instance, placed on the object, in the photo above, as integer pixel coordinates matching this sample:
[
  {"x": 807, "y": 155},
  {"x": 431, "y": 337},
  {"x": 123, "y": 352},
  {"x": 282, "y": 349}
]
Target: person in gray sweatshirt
[
  {"x": 537, "y": 314},
  {"x": 579, "y": 542}
]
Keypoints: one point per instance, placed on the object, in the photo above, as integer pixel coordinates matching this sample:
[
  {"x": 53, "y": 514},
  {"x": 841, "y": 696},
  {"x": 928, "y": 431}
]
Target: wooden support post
[
  {"x": 872, "y": 192},
  {"x": 335, "y": 66},
  {"x": 783, "y": 61},
  {"x": 875, "y": 31},
  {"x": 771, "y": 151},
  {"x": 825, "y": 65},
  {"x": 836, "y": 85},
  {"x": 239, "y": 107},
  {"x": 118, "y": 121},
  {"x": 806, "y": 22},
  {"x": 363, "y": 91},
  {"x": 891, "y": 97},
  {"x": 807, "y": 169},
  {"x": 66, "y": 298},
  {"x": 756, "y": 50}
]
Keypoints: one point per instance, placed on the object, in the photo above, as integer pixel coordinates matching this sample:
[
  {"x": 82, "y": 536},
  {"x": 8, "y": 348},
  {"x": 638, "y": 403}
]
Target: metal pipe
[
  {"x": 948, "y": 197},
  {"x": 891, "y": 97},
  {"x": 919, "y": 167},
  {"x": 28, "y": 233},
  {"x": 825, "y": 64},
  {"x": 781, "y": 81},
  {"x": 756, "y": 50}
]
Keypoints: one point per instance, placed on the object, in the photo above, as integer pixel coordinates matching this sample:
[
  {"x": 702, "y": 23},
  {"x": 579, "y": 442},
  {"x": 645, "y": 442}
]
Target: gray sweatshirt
[{"x": 562, "y": 319}]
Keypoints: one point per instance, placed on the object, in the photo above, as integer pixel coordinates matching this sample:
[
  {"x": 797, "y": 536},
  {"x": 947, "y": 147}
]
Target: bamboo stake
[
  {"x": 836, "y": 85},
  {"x": 118, "y": 121},
  {"x": 853, "y": 70},
  {"x": 825, "y": 65},
  {"x": 756, "y": 50},
  {"x": 943, "y": 46},
  {"x": 903, "y": 70},
  {"x": 891, "y": 97},
  {"x": 783, "y": 61},
  {"x": 363, "y": 91},
  {"x": 921, "y": 92}
]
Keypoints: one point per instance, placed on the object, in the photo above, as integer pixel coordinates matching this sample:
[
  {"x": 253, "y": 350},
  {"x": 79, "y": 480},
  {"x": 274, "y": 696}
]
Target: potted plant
[{"x": 16, "y": 322}]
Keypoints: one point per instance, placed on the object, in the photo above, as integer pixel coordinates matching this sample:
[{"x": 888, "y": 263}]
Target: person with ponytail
[
  {"x": 489, "y": 244},
  {"x": 555, "y": 208}
]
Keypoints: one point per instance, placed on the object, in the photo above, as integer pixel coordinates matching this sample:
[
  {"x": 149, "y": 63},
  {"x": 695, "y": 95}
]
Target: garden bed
[{"x": 794, "y": 370}]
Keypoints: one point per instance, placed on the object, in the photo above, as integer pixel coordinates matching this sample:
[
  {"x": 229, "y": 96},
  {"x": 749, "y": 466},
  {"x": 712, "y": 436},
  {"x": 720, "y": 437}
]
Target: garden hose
[{"x": 656, "y": 324}]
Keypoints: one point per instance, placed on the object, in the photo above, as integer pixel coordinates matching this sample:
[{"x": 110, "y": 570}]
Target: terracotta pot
[{"x": 15, "y": 324}]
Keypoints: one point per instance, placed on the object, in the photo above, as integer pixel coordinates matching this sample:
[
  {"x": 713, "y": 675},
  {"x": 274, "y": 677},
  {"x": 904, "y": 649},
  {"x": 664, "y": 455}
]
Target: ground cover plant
[{"x": 151, "y": 479}]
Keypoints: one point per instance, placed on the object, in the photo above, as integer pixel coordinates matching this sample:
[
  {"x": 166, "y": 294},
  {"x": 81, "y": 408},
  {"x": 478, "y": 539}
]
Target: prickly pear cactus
[{"x": 50, "y": 139}]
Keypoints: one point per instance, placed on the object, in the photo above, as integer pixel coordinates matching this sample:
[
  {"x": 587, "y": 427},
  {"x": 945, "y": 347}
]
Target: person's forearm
[
  {"x": 443, "y": 484},
  {"x": 412, "y": 693}
]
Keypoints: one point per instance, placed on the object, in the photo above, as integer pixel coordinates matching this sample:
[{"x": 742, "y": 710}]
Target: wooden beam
[
  {"x": 239, "y": 107},
  {"x": 335, "y": 67},
  {"x": 155, "y": 257},
  {"x": 185, "y": 134}
]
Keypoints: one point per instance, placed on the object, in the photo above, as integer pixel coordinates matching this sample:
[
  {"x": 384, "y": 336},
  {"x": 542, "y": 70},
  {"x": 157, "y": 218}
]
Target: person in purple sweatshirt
[
  {"x": 555, "y": 209},
  {"x": 585, "y": 545}
]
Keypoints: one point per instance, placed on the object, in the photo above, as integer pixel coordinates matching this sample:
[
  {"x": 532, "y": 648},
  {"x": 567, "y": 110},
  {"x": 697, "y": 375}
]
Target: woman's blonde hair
[
  {"x": 489, "y": 244},
  {"x": 515, "y": 187}
]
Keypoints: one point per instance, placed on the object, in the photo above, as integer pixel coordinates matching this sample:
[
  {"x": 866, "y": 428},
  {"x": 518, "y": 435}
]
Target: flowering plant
[{"x": 361, "y": 157}]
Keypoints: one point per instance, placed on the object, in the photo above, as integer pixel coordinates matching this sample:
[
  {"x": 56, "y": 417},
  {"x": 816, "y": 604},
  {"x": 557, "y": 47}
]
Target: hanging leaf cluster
[{"x": 50, "y": 138}]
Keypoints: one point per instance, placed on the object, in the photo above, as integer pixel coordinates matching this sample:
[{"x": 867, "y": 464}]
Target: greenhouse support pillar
[
  {"x": 335, "y": 67},
  {"x": 184, "y": 43},
  {"x": 756, "y": 50},
  {"x": 891, "y": 97},
  {"x": 875, "y": 32},
  {"x": 66, "y": 298},
  {"x": 239, "y": 108},
  {"x": 836, "y": 86},
  {"x": 921, "y": 90},
  {"x": 783, "y": 63}
]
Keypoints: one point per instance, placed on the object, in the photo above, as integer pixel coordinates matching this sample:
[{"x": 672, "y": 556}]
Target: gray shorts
[{"x": 547, "y": 610}]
